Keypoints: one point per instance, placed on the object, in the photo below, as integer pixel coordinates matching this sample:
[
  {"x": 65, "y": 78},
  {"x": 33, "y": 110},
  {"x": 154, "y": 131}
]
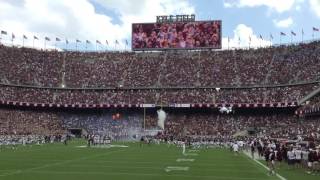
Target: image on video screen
[{"x": 180, "y": 35}]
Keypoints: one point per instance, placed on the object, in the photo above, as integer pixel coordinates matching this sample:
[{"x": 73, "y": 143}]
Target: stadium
[{"x": 168, "y": 98}]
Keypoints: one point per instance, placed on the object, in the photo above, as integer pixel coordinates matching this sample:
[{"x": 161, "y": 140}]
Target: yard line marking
[
  {"x": 103, "y": 146},
  {"x": 58, "y": 163},
  {"x": 176, "y": 168},
  {"x": 264, "y": 166},
  {"x": 184, "y": 160},
  {"x": 191, "y": 154},
  {"x": 193, "y": 150},
  {"x": 82, "y": 146}
]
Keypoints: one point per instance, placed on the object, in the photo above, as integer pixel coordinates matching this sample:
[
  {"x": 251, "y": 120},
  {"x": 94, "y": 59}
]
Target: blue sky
[{"x": 111, "y": 20}]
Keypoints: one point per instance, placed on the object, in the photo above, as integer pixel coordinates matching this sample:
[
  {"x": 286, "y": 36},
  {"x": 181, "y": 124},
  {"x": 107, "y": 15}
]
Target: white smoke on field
[
  {"x": 161, "y": 118},
  {"x": 225, "y": 109}
]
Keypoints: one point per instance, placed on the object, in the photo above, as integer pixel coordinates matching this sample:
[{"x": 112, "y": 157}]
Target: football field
[{"x": 130, "y": 162}]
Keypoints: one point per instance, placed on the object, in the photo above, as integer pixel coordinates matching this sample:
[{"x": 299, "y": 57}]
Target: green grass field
[{"x": 59, "y": 162}]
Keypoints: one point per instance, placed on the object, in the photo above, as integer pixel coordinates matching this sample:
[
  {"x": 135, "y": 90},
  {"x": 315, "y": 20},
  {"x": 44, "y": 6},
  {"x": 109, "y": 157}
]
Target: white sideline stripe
[
  {"x": 264, "y": 166},
  {"x": 185, "y": 160}
]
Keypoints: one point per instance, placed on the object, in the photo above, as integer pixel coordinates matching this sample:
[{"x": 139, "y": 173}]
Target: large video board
[{"x": 176, "y": 35}]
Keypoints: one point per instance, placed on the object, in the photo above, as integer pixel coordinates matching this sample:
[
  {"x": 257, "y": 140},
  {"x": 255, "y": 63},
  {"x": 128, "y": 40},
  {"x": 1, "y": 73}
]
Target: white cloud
[
  {"x": 284, "y": 23},
  {"x": 243, "y": 32},
  {"x": 145, "y": 10},
  {"x": 279, "y": 6},
  {"x": 228, "y": 4},
  {"x": 315, "y": 6},
  {"x": 78, "y": 18}
]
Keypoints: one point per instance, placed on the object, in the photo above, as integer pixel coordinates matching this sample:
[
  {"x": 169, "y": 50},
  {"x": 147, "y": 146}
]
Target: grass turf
[{"x": 60, "y": 162}]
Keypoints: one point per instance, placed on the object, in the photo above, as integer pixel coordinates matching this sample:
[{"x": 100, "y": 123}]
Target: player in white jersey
[
  {"x": 183, "y": 148},
  {"x": 235, "y": 148},
  {"x": 240, "y": 145},
  {"x": 298, "y": 157},
  {"x": 291, "y": 158},
  {"x": 305, "y": 157},
  {"x": 271, "y": 162}
]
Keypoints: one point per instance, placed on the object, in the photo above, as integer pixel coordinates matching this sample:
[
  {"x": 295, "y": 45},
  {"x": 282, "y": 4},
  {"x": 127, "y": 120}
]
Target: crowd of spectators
[
  {"x": 128, "y": 125},
  {"x": 311, "y": 106},
  {"x": 116, "y": 125},
  {"x": 26, "y": 66},
  {"x": 26, "y": 122},
  {"x": 13, "y": 139},
  {"x": 270, "y": 66},
  {"x": 208, "y": 124},
  {"x": 157, "y": 78},
  {"x": 231, "y": 68},
  {"x": 96, "y": 69},
  {"x": 62, "y": 96}
]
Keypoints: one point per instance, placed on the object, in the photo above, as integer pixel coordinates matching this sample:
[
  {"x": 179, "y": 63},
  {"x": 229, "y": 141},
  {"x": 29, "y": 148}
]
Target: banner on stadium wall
[
  {"x": 180, "y": 105},
  {"x": 148, "y": 105}
]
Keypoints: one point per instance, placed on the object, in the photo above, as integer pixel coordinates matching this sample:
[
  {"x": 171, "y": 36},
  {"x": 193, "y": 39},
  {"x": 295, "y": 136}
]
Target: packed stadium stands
[
  {"x": 186, "y": 122},
  {"x": 183, "y": 97},
  {"x": 28, "y": 122},
  {"x": 289, "y": 94},
  {"x": 27, "y": 66},
  {"x": 267, "y": 77},
  {"x": 124, "y": 127},
  {"x": 196, "y": 69},
  {"x": 274, "y": 124},
  {"x": 312, "y": 106},
  {"x": 268, "y": 66}
]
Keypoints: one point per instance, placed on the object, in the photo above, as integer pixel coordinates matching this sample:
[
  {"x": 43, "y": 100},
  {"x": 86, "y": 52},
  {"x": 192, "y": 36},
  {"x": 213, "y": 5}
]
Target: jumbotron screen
[{"x": 177, "y": 35}]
